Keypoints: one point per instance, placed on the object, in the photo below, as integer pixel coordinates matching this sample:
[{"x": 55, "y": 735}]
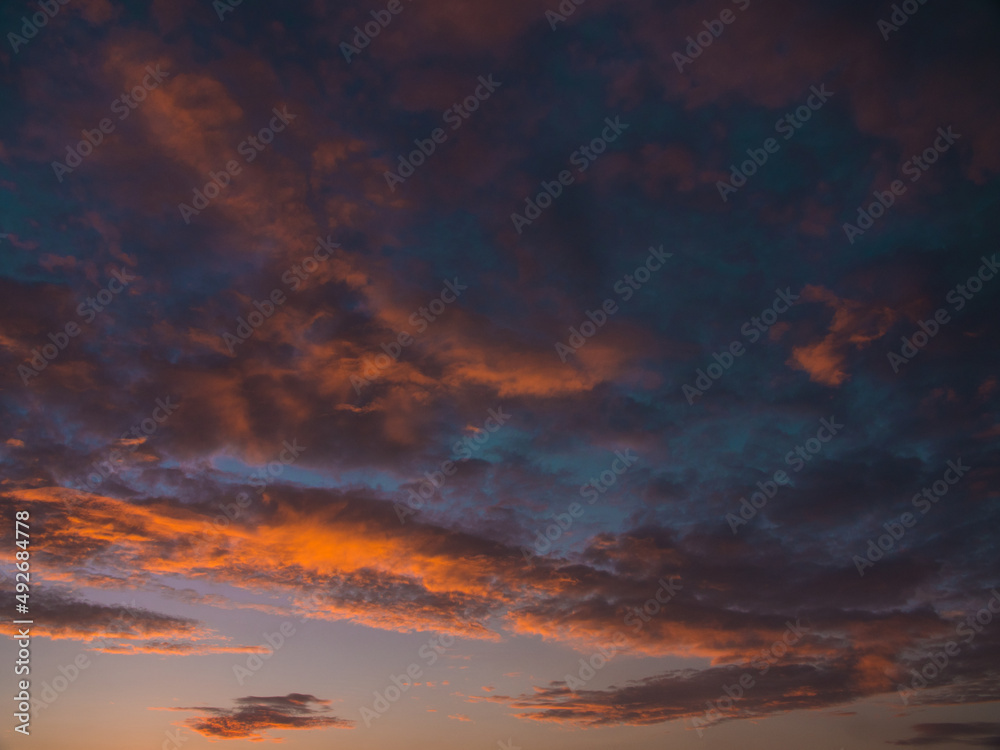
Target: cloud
[
  {"x": 854, "y": 325},
  {"x": 252, "y": 717},
  {"x": 683, "y": 694},
  {"x": 342, "y": 555},
  {"x": 976, "y": 734},
  {"x": 122, "y": 628},
  {"x": 324, "y": 542}
]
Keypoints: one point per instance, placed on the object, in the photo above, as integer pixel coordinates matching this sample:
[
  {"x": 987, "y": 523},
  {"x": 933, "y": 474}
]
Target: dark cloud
[
  {"x": 252, "y": 717},
  {"x": 977, "y": 734},
  {"x": 324, "y": 534},
  {"x": 693, "y": 695},
  {"x": 124, "y": 628}
]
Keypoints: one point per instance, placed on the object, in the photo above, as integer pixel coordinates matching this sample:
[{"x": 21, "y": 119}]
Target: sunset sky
[{"x": 504, "y": 375}]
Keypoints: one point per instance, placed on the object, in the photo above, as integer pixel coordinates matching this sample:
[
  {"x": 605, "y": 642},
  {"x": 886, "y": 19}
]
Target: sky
[{"x": 501, "y": 375}]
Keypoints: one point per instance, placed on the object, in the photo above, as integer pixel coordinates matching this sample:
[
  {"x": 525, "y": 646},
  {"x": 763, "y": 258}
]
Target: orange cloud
[
  {"x": 253, "y": 717},
  {"x": 854, "y": 326}
]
